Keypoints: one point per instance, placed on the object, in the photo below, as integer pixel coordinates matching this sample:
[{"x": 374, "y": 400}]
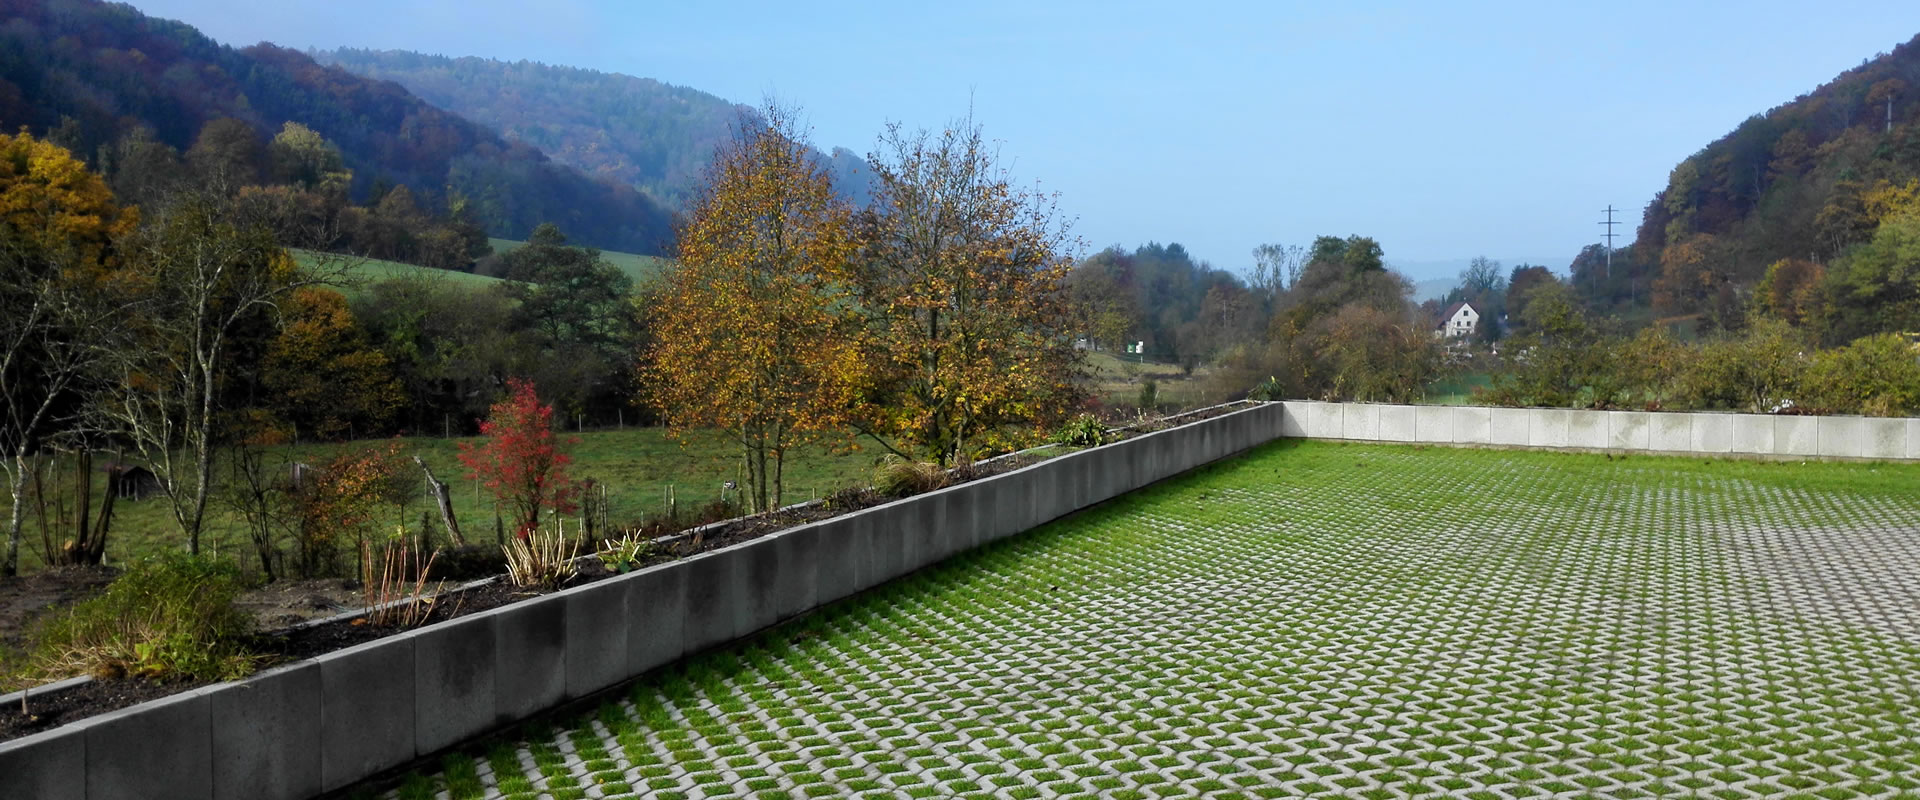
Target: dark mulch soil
[
  {"x": 101, "y": 696},
  {"x": 25, "y": 598}
]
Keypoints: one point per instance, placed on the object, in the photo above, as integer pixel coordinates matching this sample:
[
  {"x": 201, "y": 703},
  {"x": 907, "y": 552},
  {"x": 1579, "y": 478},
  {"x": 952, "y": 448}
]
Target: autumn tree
[
  {"x": 58, "y": 224},
  {"x": 521, "y": 461},
  {"x": 303, "y": 157},
  {"x": 963, "y": 271},
  {"x": 321, "y": 374},
  {"x": 756, "y": 331}
]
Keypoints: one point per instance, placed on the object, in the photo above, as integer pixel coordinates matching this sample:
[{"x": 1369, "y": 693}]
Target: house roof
[{"x": 1452, "y": 310}]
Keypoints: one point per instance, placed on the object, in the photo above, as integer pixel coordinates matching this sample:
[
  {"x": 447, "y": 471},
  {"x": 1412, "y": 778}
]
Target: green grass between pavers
[
  {"x": 1317, "y": 619},
  {"x": 638, "y": 267},
  {"x": 637, "y": 465}
]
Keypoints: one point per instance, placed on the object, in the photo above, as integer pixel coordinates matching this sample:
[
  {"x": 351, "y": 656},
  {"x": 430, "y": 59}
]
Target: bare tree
[
  {"x": 1276, "y": 268},
  {"x": 205, "y": 278}
]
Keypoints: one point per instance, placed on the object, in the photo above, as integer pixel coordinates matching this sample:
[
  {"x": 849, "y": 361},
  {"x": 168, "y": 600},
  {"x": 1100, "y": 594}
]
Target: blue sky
[{"x": 1444, "y": 130}]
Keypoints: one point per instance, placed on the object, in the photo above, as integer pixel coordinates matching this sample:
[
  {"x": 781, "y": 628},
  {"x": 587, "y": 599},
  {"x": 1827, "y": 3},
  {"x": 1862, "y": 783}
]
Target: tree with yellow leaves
[
  {"x": 756, "y": 330},
  {"x": 58, "y": 224},
  {"x": 964, "y": 272}
]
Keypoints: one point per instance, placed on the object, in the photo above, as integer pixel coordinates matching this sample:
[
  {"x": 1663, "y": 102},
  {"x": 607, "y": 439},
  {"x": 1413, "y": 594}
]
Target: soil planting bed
[{"x": 314, "y": 638}]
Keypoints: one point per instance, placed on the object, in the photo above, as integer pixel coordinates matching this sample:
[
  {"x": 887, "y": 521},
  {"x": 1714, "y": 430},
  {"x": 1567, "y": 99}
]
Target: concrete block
[
  {"x": 887, "y": 541},
  {"x": 529, "y": 657},
  {"x": 1168, "y": 458},
  {"x": 1862, "y": 437},
  {"x": 1796, "y": 436},
  {"x": 1671, "y": 433},
  {"x": 957, "y": 511},
  {"x": 1398, "y": 424},
  {"x": 1325, "y": 421},
  {"x": 709, "y": 617},
  {"x": 656, "y": 616},
  {"x": 1472, "y": 425},
  {"x": 1753, "y": 433},
  {"x": 48, "y": 765},
  {"x": 453, "y": 685},
  {"x": 1433, "y": 424},
  {"x": 1112, "y": 475},
  {"x": 1293, "y": 419},
  {"x": 1913, "y": 439},
  {"x": 1629, "y": 430},
  {"x": 1508, "y": 426},
  {"x": 1711, "y": 433},
  {"x": 796, "y": 588},
  {"x": 157, "y": 749},
  {"x": 266, "y": 734},
  {"x": 596, "y": 636},
  {"x": 841, "y": 570},
  {"x": 1886, "y": 438},
  {"x": 758, "y": 577},
  {"x": 1362, "y": 421},
  {"x": 1013, "y": 512},
  {"x": 1549, "y": 427},
  {"x": 1589, "y": 429},
  {"x": 367, "y": 710}
]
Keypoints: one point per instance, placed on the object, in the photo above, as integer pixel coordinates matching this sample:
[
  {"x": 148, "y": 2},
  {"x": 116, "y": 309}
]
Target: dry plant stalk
[
  {"x": 393, "y": 598},
  {"x": 544, "y": 559}
]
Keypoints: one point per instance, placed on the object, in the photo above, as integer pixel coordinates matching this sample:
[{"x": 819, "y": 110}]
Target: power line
[{"x": 1609, "y": 223}]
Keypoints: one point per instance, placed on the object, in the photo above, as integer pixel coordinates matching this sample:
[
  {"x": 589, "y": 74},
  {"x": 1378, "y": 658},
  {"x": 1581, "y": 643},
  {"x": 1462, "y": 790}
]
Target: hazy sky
[{"x": 1444, "y": 130}]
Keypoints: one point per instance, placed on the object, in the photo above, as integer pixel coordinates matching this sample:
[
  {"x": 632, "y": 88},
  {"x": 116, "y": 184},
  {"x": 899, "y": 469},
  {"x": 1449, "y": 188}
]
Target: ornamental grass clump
[
  {"x": 169, "y": 617},
  {"x": 898, "y": 477},
  {"x": 543, "y": 559}
]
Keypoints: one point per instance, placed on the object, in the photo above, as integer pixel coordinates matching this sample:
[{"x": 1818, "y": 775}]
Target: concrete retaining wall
[
  {"x": 318, "y": 725},
  {"x": 1634, "y": 431}
]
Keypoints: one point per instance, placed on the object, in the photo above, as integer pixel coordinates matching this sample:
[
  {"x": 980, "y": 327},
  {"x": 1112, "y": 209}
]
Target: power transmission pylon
[{"x": 1609, "y": 223}]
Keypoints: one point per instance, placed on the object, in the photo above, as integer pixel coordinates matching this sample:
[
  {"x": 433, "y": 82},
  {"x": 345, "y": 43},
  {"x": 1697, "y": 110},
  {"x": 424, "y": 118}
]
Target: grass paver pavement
[{"x": 1325, "y": 619}]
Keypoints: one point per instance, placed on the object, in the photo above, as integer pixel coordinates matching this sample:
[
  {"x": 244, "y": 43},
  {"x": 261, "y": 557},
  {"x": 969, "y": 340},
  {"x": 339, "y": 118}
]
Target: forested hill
[
  {"x": 90, "y": 74},
  {"x": 1808, "y": 186},
  {"x": 639, "y": 131}
]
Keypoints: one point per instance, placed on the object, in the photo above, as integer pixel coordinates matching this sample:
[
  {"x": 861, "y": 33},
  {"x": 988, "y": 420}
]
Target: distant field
[
  {"x": 638, "y": 267},
  {"x": 372, "y": 270},
  {"x": 1457, "y": 390},
  {"x": 636, "y": 465},
  {"x": 1117, "y": 381}
]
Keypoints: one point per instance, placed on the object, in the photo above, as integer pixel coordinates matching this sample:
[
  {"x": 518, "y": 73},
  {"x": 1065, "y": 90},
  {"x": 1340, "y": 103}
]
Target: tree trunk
[
  {"x": 444, "y": 501},
  {"x": 18, "y": 519},
  {"x": 779, "y": 476},
  {"x": 82, "y": 507},
  {"x": 97, "y": 543}
]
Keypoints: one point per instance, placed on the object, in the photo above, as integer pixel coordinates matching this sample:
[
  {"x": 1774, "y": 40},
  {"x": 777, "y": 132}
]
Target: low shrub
[
  {"x": 624, "y": 554},
  {"x": 898, "y": 477},
  {"x": 168, "y": 617},
  {"x": 1085, "y": 430}
]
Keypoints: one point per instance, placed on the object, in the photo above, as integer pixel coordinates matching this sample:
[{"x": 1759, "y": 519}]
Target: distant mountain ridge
[
  {"x": 95, "y": 72},
  {"x": 652, "y": 135}
]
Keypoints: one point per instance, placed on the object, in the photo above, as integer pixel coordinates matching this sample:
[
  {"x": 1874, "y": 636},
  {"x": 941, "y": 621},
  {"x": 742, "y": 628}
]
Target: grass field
[
  {"x": 1457, "y": 390},
  {"x": 1117, "y": 381},
  {"x": 638, "y": 267},
  {"x": 1322, "y": 619},
  {"x": 371, "y": 270},
  {"x": 637, "y": 465}
]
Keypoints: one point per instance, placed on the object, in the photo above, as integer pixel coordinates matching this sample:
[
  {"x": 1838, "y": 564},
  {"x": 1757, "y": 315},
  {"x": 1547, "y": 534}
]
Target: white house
[{"x": 1460, "y": 319}]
